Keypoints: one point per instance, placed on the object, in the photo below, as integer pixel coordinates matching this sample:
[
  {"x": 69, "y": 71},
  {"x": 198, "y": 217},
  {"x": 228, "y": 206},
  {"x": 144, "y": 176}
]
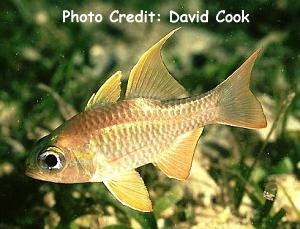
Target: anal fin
[
  {"x": 176, "y": 162},
  {"x": 130, "y": 190}
]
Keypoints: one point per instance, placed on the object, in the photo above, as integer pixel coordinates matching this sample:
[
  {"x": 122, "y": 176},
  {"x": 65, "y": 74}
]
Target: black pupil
[{"x": 51, "y": 160}]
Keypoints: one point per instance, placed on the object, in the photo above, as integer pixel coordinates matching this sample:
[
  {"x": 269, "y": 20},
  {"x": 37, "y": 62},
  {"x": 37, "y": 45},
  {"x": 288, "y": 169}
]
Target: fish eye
[{"x": 51, "y": 159}]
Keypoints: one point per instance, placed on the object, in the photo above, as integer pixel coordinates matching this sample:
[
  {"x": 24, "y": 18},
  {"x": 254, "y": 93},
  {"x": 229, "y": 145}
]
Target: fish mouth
[
  {"x": 32, "y": 171},
  {"x": 35, "y": 175}
]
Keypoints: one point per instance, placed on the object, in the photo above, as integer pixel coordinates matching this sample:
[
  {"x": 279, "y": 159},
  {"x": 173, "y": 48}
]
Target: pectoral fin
[
  {"x": 130, "y": 190},
  {"x": 177, "y": 161},
  {"x": 150, "y": 78},
  {"x": 109, "y": 92}
]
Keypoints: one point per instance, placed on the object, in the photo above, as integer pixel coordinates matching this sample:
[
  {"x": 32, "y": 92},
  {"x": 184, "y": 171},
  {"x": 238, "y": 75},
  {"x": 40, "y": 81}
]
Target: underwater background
[{"x": 240, "y": 178}]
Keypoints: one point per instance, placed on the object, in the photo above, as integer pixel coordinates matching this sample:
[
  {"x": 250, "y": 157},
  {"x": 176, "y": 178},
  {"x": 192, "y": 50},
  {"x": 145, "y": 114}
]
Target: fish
[{"x": 156, "y": 121}]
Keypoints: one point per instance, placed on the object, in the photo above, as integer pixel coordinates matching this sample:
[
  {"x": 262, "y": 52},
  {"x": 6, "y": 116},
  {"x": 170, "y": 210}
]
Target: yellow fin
[
  {"x": 150, "y": 78},
  {"x": 109, "y": 92},
  {"x": 130, "y": 190},
  {"x": 177, "y": 161},
  {"x": 237, "y": 105}
]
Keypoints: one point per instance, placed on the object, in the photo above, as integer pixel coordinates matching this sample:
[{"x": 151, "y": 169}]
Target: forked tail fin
[{"x": 237, "y": 105}]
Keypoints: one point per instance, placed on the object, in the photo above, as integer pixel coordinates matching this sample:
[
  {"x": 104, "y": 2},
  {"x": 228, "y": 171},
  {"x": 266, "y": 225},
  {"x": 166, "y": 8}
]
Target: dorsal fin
[
  {"x": 150, "y": 78},
  {"x": 176, "y": 162},
  {"x": 130, "y": 190},
  {"x": 109, "y": 92}
]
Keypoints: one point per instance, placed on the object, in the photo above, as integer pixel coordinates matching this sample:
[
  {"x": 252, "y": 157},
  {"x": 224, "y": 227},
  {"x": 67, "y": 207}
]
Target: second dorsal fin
[{"x": 150, "y": 78}]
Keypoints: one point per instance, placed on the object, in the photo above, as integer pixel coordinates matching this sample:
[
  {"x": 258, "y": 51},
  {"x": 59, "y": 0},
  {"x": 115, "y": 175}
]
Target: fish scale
[{"x": 151, "y": 134}]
